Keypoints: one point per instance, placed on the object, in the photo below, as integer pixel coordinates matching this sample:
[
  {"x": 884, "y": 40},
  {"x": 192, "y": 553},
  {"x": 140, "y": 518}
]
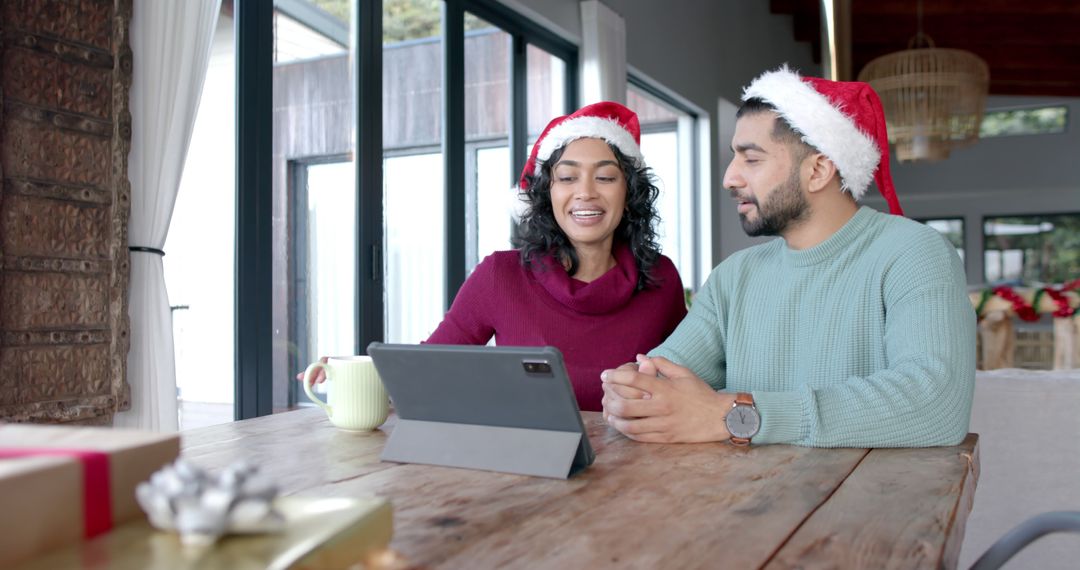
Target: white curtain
[{"x": 170, "y": 42}]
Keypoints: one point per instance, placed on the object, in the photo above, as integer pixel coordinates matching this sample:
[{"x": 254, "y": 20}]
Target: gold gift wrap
[
  {"x": 42, "y": 496},
  {"x": 319, "y": 533}
]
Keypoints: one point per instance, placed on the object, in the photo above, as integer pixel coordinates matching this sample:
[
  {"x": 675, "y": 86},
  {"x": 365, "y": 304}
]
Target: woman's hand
[{"x": 320, "y": 374}]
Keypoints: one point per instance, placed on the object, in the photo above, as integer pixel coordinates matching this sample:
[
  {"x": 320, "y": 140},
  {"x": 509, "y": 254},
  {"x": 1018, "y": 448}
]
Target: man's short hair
[{"x": 782, "y": 130}]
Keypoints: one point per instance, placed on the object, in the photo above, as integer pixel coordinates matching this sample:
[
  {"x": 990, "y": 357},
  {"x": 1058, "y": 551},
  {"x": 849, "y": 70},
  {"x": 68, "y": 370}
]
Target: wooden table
[{"x": 638, "y": 506}]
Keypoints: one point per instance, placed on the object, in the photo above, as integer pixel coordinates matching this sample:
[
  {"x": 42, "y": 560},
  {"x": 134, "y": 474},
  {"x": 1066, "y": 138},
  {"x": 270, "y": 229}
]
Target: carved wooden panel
[{"x": 65, "y": 134}]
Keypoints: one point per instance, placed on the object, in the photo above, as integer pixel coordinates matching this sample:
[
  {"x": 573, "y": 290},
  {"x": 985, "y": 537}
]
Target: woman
[{"x": 588, "y": 277}]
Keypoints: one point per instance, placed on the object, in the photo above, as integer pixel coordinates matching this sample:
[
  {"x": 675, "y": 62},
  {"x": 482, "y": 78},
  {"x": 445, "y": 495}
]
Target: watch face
[{"x": 743, "y": 421}]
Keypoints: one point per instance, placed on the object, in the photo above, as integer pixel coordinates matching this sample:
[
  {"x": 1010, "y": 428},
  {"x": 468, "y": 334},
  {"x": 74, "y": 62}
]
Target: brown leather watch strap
[{"x": 742, "y": 399}]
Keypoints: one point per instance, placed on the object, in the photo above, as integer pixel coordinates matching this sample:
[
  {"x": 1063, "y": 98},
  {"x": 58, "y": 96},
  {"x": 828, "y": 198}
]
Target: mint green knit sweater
[{"x": 865, "y": 340}]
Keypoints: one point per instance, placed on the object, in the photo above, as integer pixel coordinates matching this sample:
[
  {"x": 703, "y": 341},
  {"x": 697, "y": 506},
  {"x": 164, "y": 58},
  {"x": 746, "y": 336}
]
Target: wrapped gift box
[
  {"x": 319, "y": 533},
  {"x": 45, "y": 472}
]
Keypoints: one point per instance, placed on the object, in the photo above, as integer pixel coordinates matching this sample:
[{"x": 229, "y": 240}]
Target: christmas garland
[
  {"x": 1025, "y": 311},
  {"x": 1063, "y": 310}
]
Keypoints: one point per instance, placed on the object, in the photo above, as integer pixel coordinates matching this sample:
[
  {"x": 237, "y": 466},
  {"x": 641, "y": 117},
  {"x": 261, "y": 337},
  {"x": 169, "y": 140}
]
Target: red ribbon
[{"x": 97, "y": 496}]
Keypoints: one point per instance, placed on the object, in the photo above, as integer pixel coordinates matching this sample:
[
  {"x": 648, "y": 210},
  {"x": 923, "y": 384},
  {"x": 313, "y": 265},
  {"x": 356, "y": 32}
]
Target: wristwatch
[{"x": 743, "y": 420}]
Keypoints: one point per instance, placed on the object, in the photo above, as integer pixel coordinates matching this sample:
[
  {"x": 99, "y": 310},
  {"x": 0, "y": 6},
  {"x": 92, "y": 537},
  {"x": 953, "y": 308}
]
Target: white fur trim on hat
[
  {"x": 588, "y": 127},
  {"x": 823, "y": 126},
  {"x": 517, "y": 204}
]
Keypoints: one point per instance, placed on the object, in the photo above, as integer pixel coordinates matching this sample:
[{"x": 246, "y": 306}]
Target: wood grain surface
[{"x": 638, "y": 506}]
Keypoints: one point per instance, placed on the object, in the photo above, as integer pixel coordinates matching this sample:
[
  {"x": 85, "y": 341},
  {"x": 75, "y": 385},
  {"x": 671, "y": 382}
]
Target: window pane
[
  {"x": 314, "y": 192},
  {"x": 663, "y": 145},
  {"x": 546, "y": 95},
  {"x": 650, "y": 111},
  {"x": 1039, "y": 121},
  {"x": 413, "y": 195},
  {"x": 199, "y": 267},
  {"x": 493, "y": 201},
  {"x": 326, "y": 279},
  {"x": 295, "y": 40},
  {"x": 487, "y": 131},
  {"x": 661, "y": 155},
  {"x": 487, "y": 85},
  {"x": 952, "y": 229},
  {"x": 1032, "y": 249},
  {"x": 412, "y": 75},
  {"x": 415, "y": 227}
]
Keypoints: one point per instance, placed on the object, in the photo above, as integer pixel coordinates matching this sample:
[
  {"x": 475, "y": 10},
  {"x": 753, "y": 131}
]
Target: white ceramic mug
[{"x": 356, "y": 399}]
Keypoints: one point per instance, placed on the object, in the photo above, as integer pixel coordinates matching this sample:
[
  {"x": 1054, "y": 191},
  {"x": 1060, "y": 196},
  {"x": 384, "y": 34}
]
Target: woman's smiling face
[{"x": 588, "y": 193}]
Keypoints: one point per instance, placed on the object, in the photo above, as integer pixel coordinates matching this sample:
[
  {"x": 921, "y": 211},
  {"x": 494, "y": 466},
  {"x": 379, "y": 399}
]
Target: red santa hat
[
  {"x": 606, "y": 120},
  {"x": 842, "y": 119}
]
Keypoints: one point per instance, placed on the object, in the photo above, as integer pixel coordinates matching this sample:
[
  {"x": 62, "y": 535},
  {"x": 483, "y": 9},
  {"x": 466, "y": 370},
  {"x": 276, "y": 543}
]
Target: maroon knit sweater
[{"x": 595, "y": 325}]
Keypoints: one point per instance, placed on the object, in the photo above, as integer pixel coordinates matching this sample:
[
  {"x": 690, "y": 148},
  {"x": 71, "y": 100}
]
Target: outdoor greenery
[
  {"x": 403, "y": 19},
  {"x": 1044, "y": 120},
  {"x": 1051, "y": 253}
]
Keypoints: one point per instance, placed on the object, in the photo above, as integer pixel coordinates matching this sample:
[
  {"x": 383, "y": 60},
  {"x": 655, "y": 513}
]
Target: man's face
[{"x": 764, "y": 178}]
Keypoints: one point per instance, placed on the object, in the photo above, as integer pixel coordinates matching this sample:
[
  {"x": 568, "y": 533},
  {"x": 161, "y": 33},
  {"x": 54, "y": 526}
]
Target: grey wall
[
  {"x": 705, "y": 51},
  {"x": 1036, "y": 174}
]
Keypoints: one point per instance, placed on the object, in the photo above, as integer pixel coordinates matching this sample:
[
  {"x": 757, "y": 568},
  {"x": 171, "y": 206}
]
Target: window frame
[{"x": 253, "y": 24}]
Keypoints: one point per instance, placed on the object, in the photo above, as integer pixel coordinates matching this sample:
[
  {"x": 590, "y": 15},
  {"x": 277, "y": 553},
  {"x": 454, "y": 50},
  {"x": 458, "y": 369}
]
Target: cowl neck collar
[{"x": 605, "y": 294}]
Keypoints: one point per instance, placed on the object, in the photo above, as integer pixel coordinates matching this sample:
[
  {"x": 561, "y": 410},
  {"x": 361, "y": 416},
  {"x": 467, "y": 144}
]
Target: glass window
[
  {"x": 1037, "y": 121},
  {"x": 314, "y": 178},
  {"x": 666, "y": 145},
  {"x": 413, "y": 207},
  {"x": 323, "y": 262},
  {"x": 200, "y": 260},
  {"x": 487, "y": 81},
  {"x": 314, "y": 193},
  {"x": 294, "y": 40},
  {"x": 494, "y": 199},
  {"x": 487, "y": 132},
  {"x": 952, "y": 229},
  {"x": 413, "y": 197},
  {"x": 546, "y": 93},
  {"x": 1032, "y": 249}
]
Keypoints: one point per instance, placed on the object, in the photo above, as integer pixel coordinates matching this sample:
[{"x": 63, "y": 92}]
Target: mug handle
[{"x": 307, "y": 385}]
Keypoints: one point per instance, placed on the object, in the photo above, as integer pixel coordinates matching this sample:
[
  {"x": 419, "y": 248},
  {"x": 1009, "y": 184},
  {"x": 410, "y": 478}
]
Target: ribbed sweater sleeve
[{"x": 698, "y": 342}]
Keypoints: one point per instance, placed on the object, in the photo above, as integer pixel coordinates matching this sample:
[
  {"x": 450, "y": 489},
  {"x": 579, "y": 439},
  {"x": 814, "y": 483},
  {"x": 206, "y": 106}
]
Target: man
[{"x": 854, "y": 330}]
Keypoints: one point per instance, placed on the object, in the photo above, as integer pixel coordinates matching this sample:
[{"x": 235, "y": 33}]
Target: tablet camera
[{"x": 538, "y": 367}]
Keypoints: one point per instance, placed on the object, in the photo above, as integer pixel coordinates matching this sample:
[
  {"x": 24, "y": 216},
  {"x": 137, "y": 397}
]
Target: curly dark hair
[{"x": 539, "y": 233}]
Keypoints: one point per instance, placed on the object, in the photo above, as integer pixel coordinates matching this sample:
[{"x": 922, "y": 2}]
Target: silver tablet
[{"x": 499, "y": 408}]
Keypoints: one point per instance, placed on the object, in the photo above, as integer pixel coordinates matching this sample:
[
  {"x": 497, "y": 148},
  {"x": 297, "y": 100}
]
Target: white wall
[
  {"x": 1036, "y": 174},
  {"x": 705, "y": 51}
]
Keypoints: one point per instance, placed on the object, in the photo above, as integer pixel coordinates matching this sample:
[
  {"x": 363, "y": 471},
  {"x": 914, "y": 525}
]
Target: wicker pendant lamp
[{"x": 933, "y": 98}]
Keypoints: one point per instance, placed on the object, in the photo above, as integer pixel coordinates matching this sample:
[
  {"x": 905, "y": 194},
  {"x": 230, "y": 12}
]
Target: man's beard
[{"x": 784, "y": 207}]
